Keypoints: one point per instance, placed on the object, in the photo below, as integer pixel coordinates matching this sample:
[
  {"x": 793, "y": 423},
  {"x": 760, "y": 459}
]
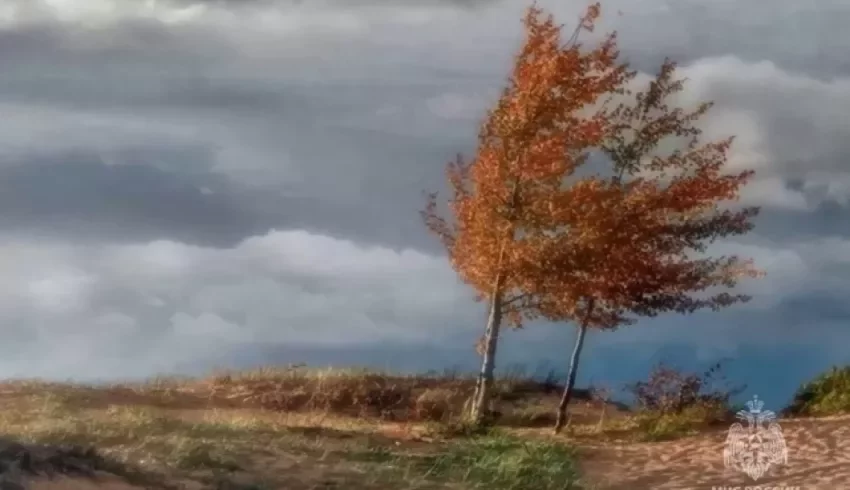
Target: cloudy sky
[{"x": 189, "y": 184}]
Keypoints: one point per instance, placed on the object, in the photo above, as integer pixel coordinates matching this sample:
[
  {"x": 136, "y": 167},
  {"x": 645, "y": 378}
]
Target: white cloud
[
  {"x": 61, "y": 291},
  {"x": 93, "y": 13},
  {"x": 772, "y": 192},
  {"x": 287, "y": 287},
  {"x": 789, "y": 126},
  {"x": 179, "y": 304}
]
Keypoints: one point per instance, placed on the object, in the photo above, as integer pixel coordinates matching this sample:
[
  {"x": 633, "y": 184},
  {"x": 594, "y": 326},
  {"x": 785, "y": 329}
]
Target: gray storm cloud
[
  {"x": 148, "y": 147},
  {"x": 163, "y": 302}
]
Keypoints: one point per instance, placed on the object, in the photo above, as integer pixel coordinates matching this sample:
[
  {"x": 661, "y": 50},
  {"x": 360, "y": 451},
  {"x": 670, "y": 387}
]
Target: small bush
[
  {"x": 669, "y": 390},
  {"x": 827, "y": 394},
  {"x": 673, "y": 403}
]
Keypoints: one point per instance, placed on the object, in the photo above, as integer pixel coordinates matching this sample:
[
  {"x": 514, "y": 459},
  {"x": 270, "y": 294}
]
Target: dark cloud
[
  {"x": 147, "y": 152},
  {"x": 142, "y": 198}
]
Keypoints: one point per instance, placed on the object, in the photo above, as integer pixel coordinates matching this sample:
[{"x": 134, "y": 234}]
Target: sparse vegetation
[
  {"x": 333, "y": 425},
  {"x": 673, "y": 403},
  {"x": 434, "y": 397},
  {"x": 217, "y": 432},
  {"x": 826, "y": 394}
]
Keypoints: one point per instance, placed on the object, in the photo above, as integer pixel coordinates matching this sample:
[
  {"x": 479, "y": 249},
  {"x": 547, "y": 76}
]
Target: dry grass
[
  {"x": 299, "y": 428},
  {"x": 292, "y": 428}
]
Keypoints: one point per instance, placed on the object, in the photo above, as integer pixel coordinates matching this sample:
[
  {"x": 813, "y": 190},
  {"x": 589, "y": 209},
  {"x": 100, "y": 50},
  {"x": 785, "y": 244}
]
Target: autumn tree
[
  {"x": 535, "y": 240},
  {"x": 534, "y": 138},
  {"x": 632, "y": 241}
]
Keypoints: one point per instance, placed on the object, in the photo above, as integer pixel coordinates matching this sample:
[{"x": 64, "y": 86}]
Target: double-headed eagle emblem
[{"x": 754, "y": 449}]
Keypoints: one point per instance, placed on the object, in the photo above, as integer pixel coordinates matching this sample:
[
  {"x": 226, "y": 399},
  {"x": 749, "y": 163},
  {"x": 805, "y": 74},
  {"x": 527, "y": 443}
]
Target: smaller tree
[{"x": 634, "y": 243}]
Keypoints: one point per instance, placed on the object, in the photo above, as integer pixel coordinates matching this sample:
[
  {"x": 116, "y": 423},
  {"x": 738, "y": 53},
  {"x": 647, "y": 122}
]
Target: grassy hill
[
  {"x": 299, "y": 428},
  {"x": 295, "y": 428}
]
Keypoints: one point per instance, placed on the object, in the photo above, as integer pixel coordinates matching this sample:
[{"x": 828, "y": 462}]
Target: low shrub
[
  {"x": 826, "y": 394},
  {"x": 673, "y": 402}
]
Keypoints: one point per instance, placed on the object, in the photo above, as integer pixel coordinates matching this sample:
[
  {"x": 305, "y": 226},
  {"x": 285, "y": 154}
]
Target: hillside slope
[{"x": 308, "y": 430}]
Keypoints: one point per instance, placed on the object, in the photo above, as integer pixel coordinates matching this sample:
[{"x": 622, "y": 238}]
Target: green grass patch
[
  {"x": 495, "y": 461},
  {"x": 826, "y": 394},
  {"x": 505, "y": 462}
]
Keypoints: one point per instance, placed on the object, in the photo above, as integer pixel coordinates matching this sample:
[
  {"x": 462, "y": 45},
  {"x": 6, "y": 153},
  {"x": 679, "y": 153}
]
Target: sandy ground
[
  {"x": 818, "y": 459},
  {"x": 64, "y": 483}
]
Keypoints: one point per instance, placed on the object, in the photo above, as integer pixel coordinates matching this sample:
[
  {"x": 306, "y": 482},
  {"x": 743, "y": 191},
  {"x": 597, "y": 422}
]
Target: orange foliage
[
  {"x": 634, "y": 242},
  {"x": 534, "y": 137},
  {"x": 527, "y": 231}
]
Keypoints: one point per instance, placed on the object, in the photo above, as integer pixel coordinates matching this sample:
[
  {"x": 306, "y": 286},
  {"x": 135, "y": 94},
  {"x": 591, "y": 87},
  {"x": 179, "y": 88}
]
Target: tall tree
[
  {"x": 634, "y": 243},
  {"x": 534, "y": 138}
]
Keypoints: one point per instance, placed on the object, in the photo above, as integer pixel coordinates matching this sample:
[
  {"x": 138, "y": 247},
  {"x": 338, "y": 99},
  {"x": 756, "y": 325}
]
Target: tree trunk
[
  {"x": 481, "y": 397},
  {"x": 561, "y": 419}
]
